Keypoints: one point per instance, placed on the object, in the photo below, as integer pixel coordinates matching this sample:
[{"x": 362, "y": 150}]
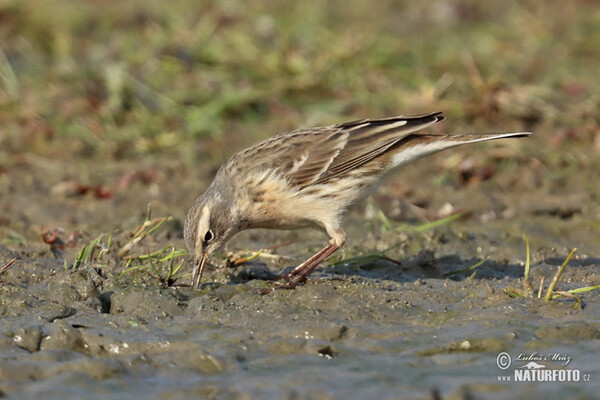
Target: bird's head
[{"x": 209, "y": 224}]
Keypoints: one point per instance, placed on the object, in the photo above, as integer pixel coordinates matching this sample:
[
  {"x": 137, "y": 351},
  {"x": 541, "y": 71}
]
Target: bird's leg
[
  {"x": 301, "y": 274},
  {"x": 290, "y": 275},
  {"x": 338, "y": 238}
]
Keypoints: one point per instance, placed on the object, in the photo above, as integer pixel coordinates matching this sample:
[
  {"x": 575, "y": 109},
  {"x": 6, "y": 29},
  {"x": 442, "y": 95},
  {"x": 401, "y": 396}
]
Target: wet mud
[{"x": 397, "y": 313}]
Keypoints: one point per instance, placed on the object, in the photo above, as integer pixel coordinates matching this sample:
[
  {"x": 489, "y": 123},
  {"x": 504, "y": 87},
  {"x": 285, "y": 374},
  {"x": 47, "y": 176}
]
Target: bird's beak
[{"x": 198, "y": 269}]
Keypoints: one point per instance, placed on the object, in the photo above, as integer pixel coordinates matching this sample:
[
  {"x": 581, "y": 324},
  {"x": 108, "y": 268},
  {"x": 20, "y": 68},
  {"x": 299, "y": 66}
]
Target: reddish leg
[
  {"x": 289, "y": 276},
  {"x": 299, "y": 274}
]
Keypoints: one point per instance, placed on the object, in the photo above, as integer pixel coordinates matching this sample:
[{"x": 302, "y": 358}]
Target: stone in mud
[{"x": 28, "y": 338}]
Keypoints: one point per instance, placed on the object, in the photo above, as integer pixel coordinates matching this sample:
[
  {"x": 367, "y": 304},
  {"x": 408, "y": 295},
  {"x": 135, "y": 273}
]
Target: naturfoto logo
[{"x": 538, "y": 367}]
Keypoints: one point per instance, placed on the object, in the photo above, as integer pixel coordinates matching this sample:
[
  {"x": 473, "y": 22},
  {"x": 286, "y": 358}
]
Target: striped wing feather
[{"x": 313, "y": 156}]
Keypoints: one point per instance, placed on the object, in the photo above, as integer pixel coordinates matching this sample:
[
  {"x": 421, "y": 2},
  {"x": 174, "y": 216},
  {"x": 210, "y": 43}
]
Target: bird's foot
[
  {"x": 282, "y": 277},
  {"x": 289, "y": 285},
  {"x": 298, "y": 275}
]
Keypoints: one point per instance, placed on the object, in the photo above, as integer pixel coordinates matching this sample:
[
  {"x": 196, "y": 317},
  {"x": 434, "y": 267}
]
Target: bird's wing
[
  {"x": 311, "y": 156},
  {"x": 370, "y": 138}
]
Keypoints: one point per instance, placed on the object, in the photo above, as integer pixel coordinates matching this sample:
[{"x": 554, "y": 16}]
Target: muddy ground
[
  {"x": 114, "y": 113},
  {"x": 393, "y": 327}
]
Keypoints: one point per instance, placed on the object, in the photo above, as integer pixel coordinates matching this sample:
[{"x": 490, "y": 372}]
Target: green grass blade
[
  {"x": 158, "y": 225},
  {"x": 557, "y": 276},
  {"x": 109, "y": 241},
  {"x": 175, "y": 254},
  {"x": 356, "y": 260},
  {"x": 126, "y": 270},
  {"x": 79, "y": 258},
  {"x": 583, "y": 289},
  {"x": 528, "y": 259},
  {"x": 470, "y": 268},
  {"x": 385, "y": 221},
  {"x": 511, "y": 293},
  {"x": 434, "y": 224}
]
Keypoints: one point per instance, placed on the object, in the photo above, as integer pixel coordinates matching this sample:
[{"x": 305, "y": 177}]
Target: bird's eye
[{"x": 209, "y": 236}]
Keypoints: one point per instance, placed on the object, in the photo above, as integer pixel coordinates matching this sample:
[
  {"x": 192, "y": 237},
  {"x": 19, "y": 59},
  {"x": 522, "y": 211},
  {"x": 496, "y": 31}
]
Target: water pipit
[{"x": 308, "y": 178}]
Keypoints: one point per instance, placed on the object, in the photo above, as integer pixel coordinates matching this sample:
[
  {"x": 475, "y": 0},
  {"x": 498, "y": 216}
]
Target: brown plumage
[{"x": 308, "y": 178}]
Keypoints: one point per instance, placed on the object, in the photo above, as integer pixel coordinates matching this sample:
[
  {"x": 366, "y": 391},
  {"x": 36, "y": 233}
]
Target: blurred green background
[
  {"x": 98, "y": 95},
  {"x": 184, "y": 78}
]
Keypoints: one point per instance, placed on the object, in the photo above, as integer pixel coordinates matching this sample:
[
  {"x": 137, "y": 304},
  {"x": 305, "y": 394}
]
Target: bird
[{"x": 309, "y": 178}]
